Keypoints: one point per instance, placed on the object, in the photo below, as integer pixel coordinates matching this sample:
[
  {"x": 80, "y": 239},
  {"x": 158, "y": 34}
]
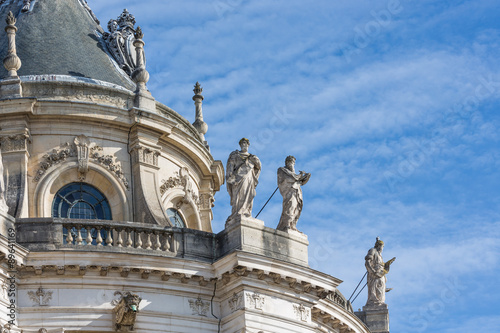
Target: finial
[
  {"x": 199, "y": 124},
  {"x": 197, "y": 89},
  {"x": 138, "y": 33},
  {"x": 140, "y": 75},
  {"x": 11, "y": 62},
  {"x": 11, "y": 20}
]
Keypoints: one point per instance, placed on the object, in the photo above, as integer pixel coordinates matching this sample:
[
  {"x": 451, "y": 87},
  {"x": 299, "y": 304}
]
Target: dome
[{"x": 61, "y": 37}]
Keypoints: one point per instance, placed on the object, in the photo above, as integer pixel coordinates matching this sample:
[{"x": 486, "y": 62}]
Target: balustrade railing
[{"x": 112, "y": 235}]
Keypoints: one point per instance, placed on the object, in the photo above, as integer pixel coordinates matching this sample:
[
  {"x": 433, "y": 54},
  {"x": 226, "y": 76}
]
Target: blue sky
[{"x": 393, "y": 106}]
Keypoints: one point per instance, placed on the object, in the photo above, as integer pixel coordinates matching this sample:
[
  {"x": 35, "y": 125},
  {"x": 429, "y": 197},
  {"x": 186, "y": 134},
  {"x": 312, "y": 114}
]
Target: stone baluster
[
  {"x": 119, "y": 241},
  {"x": 129, "y": 238},
  {"x": 168, "y": 240},
  {"x": 148, "y": 241},
  {"x": 69, "y": 238},
  {"x": 89, "y": 236},
  {"x": 157, "y": 245},
  {"x": 139, "y": 239},
  {"x": 79, "y": 239},
  {"x": 99, "y": 237},
  {"x": 109, "y": 239}
]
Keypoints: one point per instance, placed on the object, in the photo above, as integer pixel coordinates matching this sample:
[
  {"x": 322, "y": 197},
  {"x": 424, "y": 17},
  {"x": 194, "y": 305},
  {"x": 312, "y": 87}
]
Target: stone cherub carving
[
  {"x": 289, "y": 184},
  {"x": 242, "y": 177},
  {"x": 377, "y": 271},
  {"x": 125, "y": 310}
]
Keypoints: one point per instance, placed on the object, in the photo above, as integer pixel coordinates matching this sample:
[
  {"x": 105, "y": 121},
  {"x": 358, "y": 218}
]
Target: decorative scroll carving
[
  {"x": 55, "y": 157},
  {"x": 109, "y": 163},
  {"x": 40, "y": 297},
  {"x": 236, "y": 302},
  {"x": 256, "y": 300},
  {"x": 125, "y": 310},
  {"x": 5, "y": 328},
  {"x": 301, "y": 312},
  {"x": 16, "y": 142},
  {"x": 119, "y": 41},
  {"x": 199, "y": 306}
]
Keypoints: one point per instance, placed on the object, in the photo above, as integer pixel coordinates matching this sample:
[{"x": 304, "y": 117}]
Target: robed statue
[
  {"x": 242, "y": 177},
  {"x": 289, "y": 184},
  {"x": 377, "y": 270}
]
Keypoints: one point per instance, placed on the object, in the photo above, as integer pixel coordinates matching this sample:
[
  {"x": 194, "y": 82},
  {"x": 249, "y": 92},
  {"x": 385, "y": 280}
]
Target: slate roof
[{"x": 59, "y": 37}]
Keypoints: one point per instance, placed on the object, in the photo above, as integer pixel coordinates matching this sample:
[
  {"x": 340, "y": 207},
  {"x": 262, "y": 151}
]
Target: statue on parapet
[
  {"x": 242, "y": 177},
  {"x": 377, "y": 271},
  {"x": 290, "y": 184}
]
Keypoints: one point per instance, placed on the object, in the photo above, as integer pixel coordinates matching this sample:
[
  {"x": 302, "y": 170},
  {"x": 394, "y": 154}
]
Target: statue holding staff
[
  {"x": 290, "y": 184},
  {"x": 377, "y": 270}
]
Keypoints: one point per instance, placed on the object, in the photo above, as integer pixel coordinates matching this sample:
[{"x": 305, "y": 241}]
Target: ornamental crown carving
[{"x": 119, "y": 40}]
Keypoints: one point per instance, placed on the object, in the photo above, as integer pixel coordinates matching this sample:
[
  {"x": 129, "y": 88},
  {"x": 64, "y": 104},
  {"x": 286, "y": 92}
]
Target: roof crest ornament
[{"x": 120, "y": 42}]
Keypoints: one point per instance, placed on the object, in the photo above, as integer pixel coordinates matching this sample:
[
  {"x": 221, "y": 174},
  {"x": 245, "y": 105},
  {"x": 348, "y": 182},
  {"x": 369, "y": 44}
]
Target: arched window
[
  {"x": 81, "y": 201},
  {"x": 175, "y": 218}
]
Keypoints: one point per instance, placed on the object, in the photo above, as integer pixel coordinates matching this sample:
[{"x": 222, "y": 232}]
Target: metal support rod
[{"x": 266, "y": 202}]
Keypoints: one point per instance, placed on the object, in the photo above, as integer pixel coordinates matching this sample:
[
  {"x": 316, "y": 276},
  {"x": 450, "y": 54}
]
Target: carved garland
[{"x": 82, "y": 149}]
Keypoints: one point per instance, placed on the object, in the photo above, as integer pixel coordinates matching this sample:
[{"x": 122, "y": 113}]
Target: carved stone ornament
[
  {"x": 40, "y": 297},
  {"x": 125, "y": 310},
  {"x": 256, "y": 300},
  {"x": 54, "y": 157},
  {"x": 236, "y": 302},
  {"x": 108, "y": 161},
  {"x": 84, "y": 150},
  {"x": 42, "y": 330},
  {"x": 119, "y": 41},
  {"x": 82, "y": 144},
  {"x": 301, "y": 312},
  {"x": 206, "y": 201},
  {"x": 199, "y": 306},
  {"x": 16, "y": 142},
  {"x": 146, "y": 155},
  {"x": 181, "y": 180}
]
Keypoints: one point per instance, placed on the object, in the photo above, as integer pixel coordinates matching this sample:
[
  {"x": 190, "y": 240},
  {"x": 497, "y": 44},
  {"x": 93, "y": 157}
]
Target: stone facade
[{"x": 141, "y": 161}]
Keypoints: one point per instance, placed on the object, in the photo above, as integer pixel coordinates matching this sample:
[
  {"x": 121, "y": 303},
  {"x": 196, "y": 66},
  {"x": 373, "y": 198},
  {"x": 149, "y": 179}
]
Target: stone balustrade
[
  {"x": 118, "y": 235},
  {"x": 49, "y": 234}
]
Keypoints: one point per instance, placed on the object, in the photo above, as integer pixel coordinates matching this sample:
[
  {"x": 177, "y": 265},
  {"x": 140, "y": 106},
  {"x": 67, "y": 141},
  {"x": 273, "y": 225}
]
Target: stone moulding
[{"x": 49, "y": 88}]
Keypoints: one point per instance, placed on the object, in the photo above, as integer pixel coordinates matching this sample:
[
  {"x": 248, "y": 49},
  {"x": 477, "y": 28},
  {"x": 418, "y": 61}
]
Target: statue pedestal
[
  {"x": 376, "y": 317},
  {"x": 250, "y": 235}
]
